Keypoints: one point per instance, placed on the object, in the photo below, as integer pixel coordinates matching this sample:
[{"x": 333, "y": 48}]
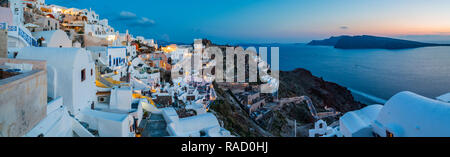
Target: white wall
[
  {"x": 57, "y": 38},
  {"x": 68, "y": 63},
  {"x": 108, "y": 124},
  {"x": 116, "y": 53},
  {"x": 121, "y": 98},
  {"x": 407, "y": 114},
  {"x": 83, "y": 91}
]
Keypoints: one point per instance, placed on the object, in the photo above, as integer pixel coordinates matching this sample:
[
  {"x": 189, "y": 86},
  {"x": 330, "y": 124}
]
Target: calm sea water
[{"x": 374, "y": 75}]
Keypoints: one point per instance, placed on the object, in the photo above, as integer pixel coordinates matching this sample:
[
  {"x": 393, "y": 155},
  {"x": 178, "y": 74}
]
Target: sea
[{"x": 373, "y": 75}]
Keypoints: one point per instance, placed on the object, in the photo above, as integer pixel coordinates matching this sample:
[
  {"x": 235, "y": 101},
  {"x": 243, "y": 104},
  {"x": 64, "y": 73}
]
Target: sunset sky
[{"x": 232, "y": 21}]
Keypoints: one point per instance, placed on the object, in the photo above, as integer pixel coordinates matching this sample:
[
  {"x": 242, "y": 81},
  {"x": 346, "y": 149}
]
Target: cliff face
[
  {"x": 233, "y": 118},
  {"x": 281, "y": 121},
  {"x": 323, "y": 93},
  {"x": 301, "y": 82}
]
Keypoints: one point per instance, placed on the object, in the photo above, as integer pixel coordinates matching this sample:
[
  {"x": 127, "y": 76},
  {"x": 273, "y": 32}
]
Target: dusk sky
[{"x": 268, "y": 21}]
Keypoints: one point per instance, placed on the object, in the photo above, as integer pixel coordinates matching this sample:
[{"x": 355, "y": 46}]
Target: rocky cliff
[
  {"x": 280, "y": 122},
  {"x": 323, "y": 93}
]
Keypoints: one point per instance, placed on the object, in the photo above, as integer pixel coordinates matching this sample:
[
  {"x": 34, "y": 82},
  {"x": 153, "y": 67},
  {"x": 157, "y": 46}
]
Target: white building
[
  {"x": 56, "y": 38},
  {"x": 35, "y": 3},
  {"x": 140, "y": 38},
  {"x": 120, "y": 98},
  {"x": 124, "y": 38},
  {"x": 151, "y": 43},
  {"x": 358, "y": 123},
  {"x": 119, "y": 117},
  {"x": 203, "y": 125},
  {"x": 18, "y": 35},
  {"x": 131, "y": 51},
  {"x": 109, "y": 124},
  {"x": 58, "y": 123},
  {"x": 70, "y": 73},
  {"x": 406, "y": 114},
  {"x": 17, "y": 10},
  {"x": 112, "y": 57},
  {"x": 179, "y": 53}
]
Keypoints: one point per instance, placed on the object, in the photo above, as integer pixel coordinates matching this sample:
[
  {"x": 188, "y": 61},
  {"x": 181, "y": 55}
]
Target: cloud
[
  {"x": 133, "y": 20},
  {"x": 343, "y": 27},
  {"x": 145, "y": 21},
  {"x": 127, "y": 15}
]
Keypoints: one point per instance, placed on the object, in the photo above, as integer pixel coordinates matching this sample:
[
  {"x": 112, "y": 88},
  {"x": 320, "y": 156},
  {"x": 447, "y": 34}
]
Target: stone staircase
[{"x": 155, "y": 126}]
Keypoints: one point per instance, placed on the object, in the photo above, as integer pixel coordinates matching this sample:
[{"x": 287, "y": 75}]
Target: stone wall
[
  {"x": 94, "y": 41},
  {"x": 23, "y": 100},
  {"x": 3, "y": 43}
]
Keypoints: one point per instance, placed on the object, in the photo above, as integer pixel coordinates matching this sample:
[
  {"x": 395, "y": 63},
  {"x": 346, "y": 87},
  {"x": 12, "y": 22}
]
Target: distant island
[{"x": 370, "y": 42}]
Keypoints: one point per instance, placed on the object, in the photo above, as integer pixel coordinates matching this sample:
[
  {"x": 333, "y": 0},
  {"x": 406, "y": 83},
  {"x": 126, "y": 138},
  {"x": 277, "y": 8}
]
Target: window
[
  {"x": 101, "y": 99},
  {"x": 202, "y": 133},
  {"x": 389, "y": 134},
  {"x": 92, "y": 72},
  {"x": 83, "y": 75}
]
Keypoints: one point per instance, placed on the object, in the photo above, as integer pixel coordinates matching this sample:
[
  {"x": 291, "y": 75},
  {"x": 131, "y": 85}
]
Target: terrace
[{"x": 23, "y": 87}]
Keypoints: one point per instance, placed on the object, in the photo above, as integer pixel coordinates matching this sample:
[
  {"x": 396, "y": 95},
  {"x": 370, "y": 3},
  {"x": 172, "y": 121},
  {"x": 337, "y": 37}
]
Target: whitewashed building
[
  {"x": 58, "y": 123},
  {"x": 359, "y": 123},
  {"x": 70, "y": 73},
  {"x": 18, "y": 35},
  {"x": 406, "y": 114},
  {"x": 56, "y": 38},
  {"x": 203, "y": 125},
  {"x": 111, "y": 56},
  {"x": 108, "y": 124},
  {"x": 118, "y": 115},
  {"x": 140, "y": 38}
]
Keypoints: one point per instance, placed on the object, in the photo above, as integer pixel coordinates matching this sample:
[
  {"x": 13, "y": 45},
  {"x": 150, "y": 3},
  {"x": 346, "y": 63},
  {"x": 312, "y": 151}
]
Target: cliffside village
[{"x": 67, "y": 73}]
